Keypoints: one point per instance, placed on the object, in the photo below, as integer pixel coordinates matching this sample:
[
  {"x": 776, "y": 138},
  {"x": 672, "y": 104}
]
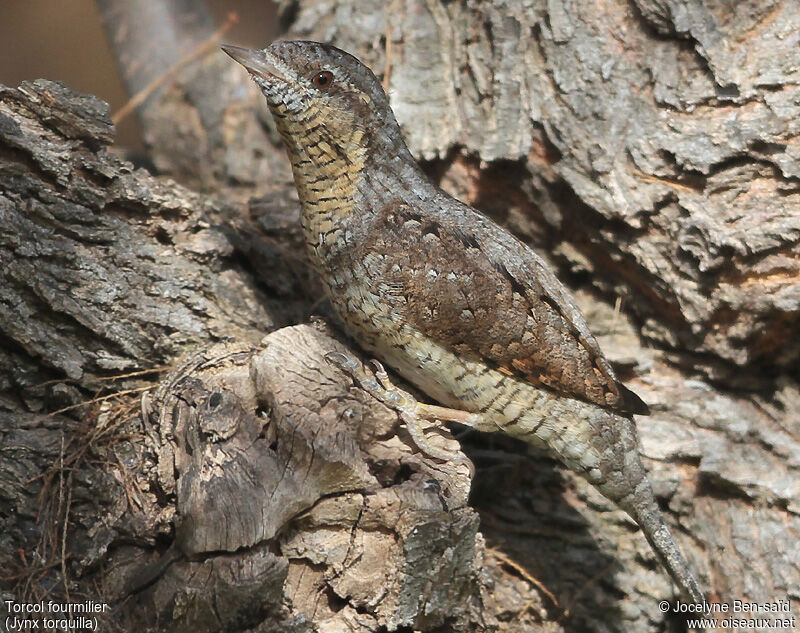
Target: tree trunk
[{"x": 649, "y": 150}]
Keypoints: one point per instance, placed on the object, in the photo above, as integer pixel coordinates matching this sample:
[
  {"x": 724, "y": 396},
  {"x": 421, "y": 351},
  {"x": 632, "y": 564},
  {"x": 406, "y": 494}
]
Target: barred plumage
[{"x": 454, "y": 303}]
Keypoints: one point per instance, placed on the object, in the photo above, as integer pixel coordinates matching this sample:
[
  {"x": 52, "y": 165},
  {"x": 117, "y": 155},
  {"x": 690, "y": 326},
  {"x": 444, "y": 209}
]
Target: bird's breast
[{"x": 373, "y": 314}]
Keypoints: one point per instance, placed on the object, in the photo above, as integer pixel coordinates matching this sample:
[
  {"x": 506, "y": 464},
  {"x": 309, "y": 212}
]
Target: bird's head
[{"x": 318, "y": 89}]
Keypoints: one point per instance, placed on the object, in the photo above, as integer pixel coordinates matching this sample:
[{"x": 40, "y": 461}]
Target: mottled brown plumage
[
  {"x": 500, "y": 305},
  {"x": 450, "y": 300}
]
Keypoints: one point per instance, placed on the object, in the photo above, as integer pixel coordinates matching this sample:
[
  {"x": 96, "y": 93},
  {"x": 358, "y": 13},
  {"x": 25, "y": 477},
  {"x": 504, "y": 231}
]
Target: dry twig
[{"x": 198, "y": 53}]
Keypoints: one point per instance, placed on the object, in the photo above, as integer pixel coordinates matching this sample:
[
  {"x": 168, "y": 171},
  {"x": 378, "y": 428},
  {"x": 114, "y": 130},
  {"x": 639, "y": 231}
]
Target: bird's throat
[{"x": 326, "y": 173}]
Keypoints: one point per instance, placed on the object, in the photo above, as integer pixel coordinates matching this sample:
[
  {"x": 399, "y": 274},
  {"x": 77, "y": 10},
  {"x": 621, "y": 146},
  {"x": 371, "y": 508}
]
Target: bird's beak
[{"x": 258, "y": 63}]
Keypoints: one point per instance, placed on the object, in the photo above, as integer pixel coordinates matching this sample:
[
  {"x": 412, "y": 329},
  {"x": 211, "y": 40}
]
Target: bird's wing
[{"x": 492, "y": 297}]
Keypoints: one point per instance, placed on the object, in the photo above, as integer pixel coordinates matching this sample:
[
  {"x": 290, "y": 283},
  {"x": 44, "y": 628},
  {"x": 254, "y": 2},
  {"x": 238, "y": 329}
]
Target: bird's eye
[{"x": 323, "y": 79}]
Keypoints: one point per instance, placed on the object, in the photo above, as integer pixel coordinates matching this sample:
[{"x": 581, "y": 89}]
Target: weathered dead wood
[
  {"x": 295, "y": 496},
  {"x": 107, "y": 270},
  {"x": 651, "y": 145},
  {"x": 288, "y": 493},
  {"x": 104, "y": 270}
]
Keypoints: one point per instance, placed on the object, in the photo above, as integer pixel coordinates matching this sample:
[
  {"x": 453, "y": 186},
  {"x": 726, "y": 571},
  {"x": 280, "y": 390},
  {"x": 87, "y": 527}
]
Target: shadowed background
[
  {"x": 649, "y": 153},
  {"x": 65, "y": 41}
]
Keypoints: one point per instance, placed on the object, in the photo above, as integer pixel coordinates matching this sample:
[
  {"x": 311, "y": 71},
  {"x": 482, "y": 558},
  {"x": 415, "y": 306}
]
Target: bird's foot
[{"x": 411, "y": 412}]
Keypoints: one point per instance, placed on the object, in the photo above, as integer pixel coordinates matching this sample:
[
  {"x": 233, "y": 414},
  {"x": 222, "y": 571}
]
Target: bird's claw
[
  {"x": 380, "y": 372},
  {"x": 382, "y": 389}
]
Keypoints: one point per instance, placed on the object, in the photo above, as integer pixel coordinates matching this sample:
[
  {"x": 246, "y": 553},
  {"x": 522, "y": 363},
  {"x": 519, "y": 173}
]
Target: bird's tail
[
  {"x": 603, "y": 446},
  {"x": 642, "y": 507}
]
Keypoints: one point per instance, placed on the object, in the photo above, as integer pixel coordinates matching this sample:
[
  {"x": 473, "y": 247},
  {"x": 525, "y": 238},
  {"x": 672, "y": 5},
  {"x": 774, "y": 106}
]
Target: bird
[{"x": 450, "y": 300}]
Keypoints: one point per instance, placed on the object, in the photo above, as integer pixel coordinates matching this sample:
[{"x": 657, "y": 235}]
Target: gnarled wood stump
[{"x": 649, "y": 149}]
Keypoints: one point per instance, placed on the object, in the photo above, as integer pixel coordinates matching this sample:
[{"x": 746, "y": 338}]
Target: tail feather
[
  {"x": 645, "y": 511},
  {"x": 603, "y": 447}
]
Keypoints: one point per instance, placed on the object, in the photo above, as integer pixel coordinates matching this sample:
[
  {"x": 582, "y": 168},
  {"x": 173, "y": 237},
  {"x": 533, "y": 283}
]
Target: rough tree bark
[{"x": 648, "y": 149}]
